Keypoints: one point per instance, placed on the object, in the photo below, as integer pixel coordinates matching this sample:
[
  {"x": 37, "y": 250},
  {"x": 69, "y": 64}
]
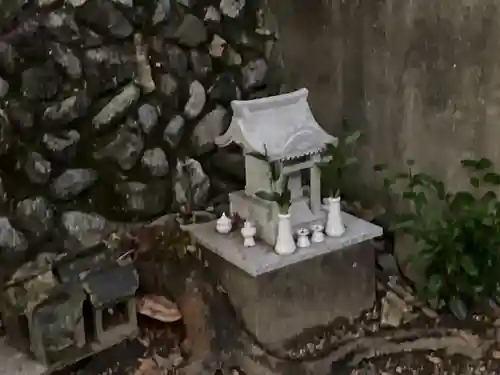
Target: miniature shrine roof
[
  {"x": 111, "y": 285},
  {"x": 282, "y": 124}
]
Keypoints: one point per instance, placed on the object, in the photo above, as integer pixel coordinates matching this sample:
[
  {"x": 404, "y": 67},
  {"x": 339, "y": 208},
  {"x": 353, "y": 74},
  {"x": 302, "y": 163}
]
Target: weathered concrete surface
[
  {"x": 421, "y": 79},
  {"x": 262, "y": 259},
  {"x": 415, "y": 76},
  {"x": 281, "y": 305},
  {"x": 13, "y": 362}
]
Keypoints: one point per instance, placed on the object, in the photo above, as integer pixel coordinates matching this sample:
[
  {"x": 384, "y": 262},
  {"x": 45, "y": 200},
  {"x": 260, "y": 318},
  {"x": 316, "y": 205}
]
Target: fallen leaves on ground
[{"x": 159, "y": 308}]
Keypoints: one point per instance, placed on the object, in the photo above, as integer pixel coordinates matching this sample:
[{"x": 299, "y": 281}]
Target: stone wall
[{"x": 109, "y": 110}]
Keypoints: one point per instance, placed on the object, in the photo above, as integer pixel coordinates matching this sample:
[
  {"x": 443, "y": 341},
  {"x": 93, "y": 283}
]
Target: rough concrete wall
[{"x": 420, "y": 78}]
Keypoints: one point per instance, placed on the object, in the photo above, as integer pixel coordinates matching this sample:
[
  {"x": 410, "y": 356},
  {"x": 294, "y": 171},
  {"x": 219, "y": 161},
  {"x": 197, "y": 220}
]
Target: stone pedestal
[{"x": 279, "y": 297}]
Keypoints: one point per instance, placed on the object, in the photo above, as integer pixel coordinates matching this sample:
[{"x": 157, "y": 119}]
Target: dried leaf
[
  {"x": 159, "y": 308},
  {"x": 148, "y": 367}
]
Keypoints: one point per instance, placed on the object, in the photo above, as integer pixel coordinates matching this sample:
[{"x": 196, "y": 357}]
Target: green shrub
[{"x": 457, "y": 233}]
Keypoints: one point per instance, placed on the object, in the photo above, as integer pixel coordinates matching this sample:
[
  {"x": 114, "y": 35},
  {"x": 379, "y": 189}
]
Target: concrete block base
[
  {"x": 280, "y": 305},
  {"x": 279, "y": 297}
]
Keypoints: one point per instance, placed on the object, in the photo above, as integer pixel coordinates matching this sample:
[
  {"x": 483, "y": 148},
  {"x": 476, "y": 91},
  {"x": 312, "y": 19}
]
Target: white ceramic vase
[
  {"x": 334, "y": 224},
  {"x": 284, "y": 242}
]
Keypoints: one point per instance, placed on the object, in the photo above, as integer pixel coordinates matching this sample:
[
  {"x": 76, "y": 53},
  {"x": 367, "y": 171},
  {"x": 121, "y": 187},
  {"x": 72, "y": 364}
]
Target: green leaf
[
  {"x": 478, "y": 165},
  {"x": 469, "y": 163},
  {"x": 402, "y": 175},
  {"x": 468, "y": 265},
  {"x": 489, "y": 197},
  {"x": 267, "y": 196},
  {"x": 410, "y": 195},
  {"x": 350, "y": 139},
  {"x": 410, "y": 163},
  {"x": 474, "y": 181},
  {"x": 258, "y": 155},
  {"x": 275, "y": 171},
  {"x": 435, "y": 284},
  {"x": 458, "y": 308},
  {"x": 492, "y": 178},
  {"x": 483, "y": 164},
  {"x": 440, "y": 189},
  {"x": 461, "y": 199},
  {"x": 331, "y": 149},
  {"x": 388, "y": 182},
  {"x": 404, "y": 221}
]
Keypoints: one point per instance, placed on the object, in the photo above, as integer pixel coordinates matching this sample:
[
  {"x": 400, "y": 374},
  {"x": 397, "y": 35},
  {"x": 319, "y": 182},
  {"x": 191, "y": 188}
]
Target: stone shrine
[
  {"x": 284, "y": 128},
  {"x": 280, "y": 297}
]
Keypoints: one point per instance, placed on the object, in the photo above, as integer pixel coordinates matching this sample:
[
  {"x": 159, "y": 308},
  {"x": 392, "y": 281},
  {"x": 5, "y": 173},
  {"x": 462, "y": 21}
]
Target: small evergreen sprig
[{"x": 280, "y": 192}]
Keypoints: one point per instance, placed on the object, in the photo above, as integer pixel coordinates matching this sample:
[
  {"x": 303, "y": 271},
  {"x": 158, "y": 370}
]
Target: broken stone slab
[
  {"x": 225, "y": 89},
  {"x": 174, "y": 131},
  {"x": 40, "y": 82},
  {"x": 35, "y": 216},
  {"x": 84, "y": 230},
  {"x": 191, "y": 32},
  {"x": 191, "y": 184},
  {"x": 200, "y": 62},
  {"x": 65, "y": 57},
  {"x": 254, "y": 73},
  {"x": 145, "y": 199},
  {"x": 168, "y": 85},
  {"x": 19, "y": 114},
  {"x": 175, "y": 59},
  {"x": 37, "y": 168},
  {"x": 72, "y": 182},
  {"x": 67, "y": 110},
  {"x": 162, "y": 11},
  {"x": 62, "y": 147},
  {"x": 16, "y": 363},
  {"x": 196, "y": 102},
  {"x": 125, "y": 149},
  {"x": 110, "y": 19},
  {"x": 148, "y": 117},
  {"x": 109, "y": 61},
  {"x": 212, "y": 14},
  {"x": 116, "y": 106},
  {"x": 279, "y": 297},
  {"x": 208, "y": 129},
  {"x": 144, "y": 75},
  {"x": 155, "y": 161},
  {"x": 232, "y": 8}
]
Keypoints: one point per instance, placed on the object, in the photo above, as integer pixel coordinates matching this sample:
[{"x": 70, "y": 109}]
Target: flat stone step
[{"x": 13, "y": 362}]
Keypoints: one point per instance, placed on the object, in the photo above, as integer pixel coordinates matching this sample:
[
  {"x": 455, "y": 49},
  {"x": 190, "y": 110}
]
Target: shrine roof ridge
[{"x": 283, "y": 125}]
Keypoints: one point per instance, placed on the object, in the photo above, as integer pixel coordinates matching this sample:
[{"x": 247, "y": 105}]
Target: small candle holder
[
  {"x": 303, "y": 238},
  {"x": 318, "y": 234},
  {"x": 248, "y": 232}
]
